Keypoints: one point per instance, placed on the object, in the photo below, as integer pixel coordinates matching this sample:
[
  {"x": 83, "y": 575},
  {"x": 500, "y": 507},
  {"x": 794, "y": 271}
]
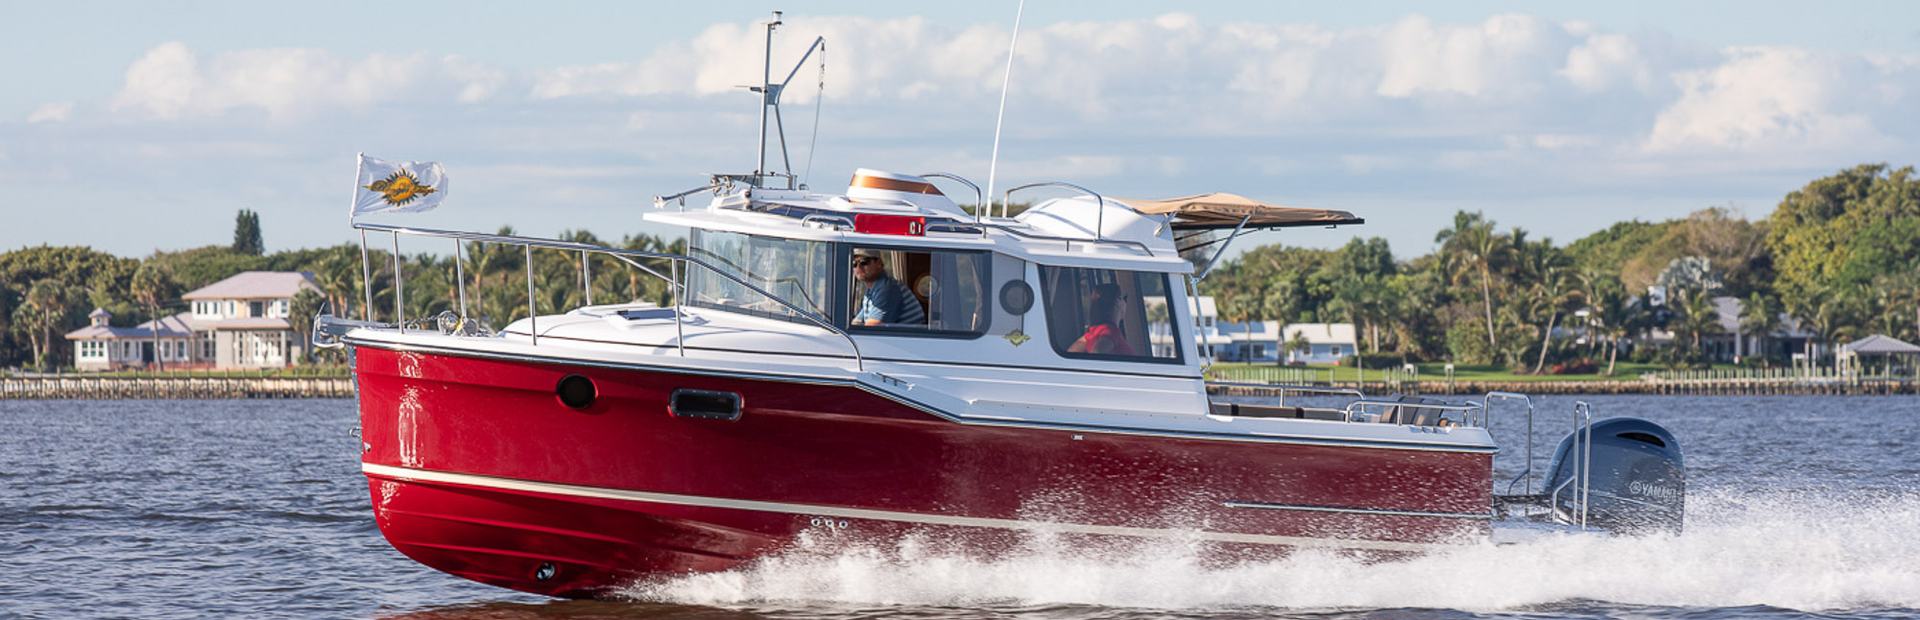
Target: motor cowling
[{"x": 1638, "y": 480}]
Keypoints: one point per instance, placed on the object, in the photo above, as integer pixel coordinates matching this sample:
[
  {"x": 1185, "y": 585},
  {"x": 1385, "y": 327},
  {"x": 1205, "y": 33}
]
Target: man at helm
[{"x": 887, "y": 302}]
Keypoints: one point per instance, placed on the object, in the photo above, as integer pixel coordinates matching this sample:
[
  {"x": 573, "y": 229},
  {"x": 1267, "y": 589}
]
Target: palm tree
[
  {"x": 1616, "y": 315},
  {"x": 1554, "y": 290},
  {"x": 300, "y": 314},
  {"x": 1470, "y": 247},
  {"x": 1826, "y": 312},
  {"x": 1696, "y": 317},
  {"x": 335, "y": 274},
  {"x": 1760, "y": 317},
  {"x": 152, "y": 285},
  {"x": 44, "y": 309},
  {"x": 1297, "y": 343}
]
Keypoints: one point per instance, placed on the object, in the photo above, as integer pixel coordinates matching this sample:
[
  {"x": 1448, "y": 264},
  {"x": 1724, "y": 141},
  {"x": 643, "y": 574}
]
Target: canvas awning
[
  {"x": 1880, "y": 345},
  {"x": 1225, "y": 211}
]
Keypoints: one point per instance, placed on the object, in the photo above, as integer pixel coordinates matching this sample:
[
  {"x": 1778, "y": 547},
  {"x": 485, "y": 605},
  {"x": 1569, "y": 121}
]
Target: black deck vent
[{"x": 704, "y": 404}]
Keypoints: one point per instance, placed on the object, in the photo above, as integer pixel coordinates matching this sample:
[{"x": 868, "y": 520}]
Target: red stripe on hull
[{"x": 822, "y": 445}]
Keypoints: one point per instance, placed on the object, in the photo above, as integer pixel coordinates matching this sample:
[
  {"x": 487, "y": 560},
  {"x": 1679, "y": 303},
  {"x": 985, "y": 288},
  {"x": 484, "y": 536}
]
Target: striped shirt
[{"x": 889, "y": 302}]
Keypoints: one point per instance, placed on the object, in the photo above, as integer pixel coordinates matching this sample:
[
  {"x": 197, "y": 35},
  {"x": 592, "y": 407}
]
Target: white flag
[{"x": 397, "y": 186}]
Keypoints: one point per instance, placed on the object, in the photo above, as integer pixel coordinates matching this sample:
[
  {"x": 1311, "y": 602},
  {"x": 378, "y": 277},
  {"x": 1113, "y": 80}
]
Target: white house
[
  {"x": 1326, "y": 342},
  {"x": 100, "y": 347},
  {"x": 1252, "y": 341},
  {"x": 1206, "y": 329},
  {"x": 236, "y": 323}
]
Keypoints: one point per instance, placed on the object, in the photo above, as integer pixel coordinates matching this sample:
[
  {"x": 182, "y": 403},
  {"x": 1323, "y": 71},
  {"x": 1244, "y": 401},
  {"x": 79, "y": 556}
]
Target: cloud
[
  {"x": 1407, "y": 110},
  {"x": 52, "y": 113},
  {"x": 171, "y": 82},
  {"x": 1777, "y": 99}
]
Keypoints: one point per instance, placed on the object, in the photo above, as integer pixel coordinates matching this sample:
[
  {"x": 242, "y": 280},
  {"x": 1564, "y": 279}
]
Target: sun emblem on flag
[{"x": 400, "y": 188}]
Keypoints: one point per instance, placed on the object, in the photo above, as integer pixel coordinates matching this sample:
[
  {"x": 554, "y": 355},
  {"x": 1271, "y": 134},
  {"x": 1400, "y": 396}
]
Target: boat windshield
[{"x": 796, "y": 270}]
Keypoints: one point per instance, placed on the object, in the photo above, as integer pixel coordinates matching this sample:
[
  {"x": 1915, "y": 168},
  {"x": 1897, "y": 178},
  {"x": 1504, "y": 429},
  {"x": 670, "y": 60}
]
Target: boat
[{"x": 882, "y": 361}]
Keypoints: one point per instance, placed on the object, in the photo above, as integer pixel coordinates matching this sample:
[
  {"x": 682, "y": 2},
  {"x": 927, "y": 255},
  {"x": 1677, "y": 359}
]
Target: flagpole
[{"x": 366, "y": 272}]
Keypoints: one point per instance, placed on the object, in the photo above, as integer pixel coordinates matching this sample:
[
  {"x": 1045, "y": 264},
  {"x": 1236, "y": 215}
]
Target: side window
[
  {"x": 795, "y": 270},
  {"x": 910, "y": 291},
  {"x": 1109, "y": 314}
]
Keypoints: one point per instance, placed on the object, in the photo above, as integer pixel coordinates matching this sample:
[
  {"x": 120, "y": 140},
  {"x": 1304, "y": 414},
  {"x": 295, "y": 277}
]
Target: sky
[{"x": 132, "y": 127}]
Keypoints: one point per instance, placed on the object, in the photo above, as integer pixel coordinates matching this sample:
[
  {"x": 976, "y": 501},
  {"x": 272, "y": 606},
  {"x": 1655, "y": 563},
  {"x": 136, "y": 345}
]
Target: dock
[{"x": 1782, "y": 382}]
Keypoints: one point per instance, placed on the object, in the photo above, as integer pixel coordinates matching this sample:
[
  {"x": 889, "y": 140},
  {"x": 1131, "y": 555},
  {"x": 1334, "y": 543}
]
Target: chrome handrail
[
  {"x": 1099, "y": 203},
  {"x": 979, "y": 199},
  {"x": 1486, "y": 421},
  {"x": 1295, "y": 389},
  {"x": 1068, "y": 240},
  {"x": 528, "y": 243},
  {"x": 1582, "y": 461}
]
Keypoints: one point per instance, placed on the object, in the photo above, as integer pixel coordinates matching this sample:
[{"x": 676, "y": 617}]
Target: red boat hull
[{"x": 476, "y": 468}]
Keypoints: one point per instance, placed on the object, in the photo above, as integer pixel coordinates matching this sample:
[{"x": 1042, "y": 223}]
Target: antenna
[
  {"x": 770, "y": 100},
  {"x": 993, "y": 163},
  {"x": 767, "y": 96}
]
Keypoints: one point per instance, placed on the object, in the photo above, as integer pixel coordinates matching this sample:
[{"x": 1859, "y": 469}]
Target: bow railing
[{"x": 680, "y": 266}]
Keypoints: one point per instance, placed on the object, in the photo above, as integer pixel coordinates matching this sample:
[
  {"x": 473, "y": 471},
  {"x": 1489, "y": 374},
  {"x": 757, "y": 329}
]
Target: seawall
[{"x": 71, "y": 387}]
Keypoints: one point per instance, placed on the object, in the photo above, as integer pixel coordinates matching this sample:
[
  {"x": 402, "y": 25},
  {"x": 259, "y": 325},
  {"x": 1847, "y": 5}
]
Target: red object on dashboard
[{"x": 883, "y": 224}]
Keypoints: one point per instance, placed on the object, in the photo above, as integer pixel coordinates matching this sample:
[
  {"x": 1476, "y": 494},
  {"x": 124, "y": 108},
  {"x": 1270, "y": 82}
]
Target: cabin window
[
  {"x": 1109, "y": 314},
  {"x": 796, "y": 270},
  {"x": 919, "y": 292}
]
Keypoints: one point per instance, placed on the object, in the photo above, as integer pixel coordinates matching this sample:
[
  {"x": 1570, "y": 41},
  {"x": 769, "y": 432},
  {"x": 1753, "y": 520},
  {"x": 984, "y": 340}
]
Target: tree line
[
  {"x": 49, "y": 290},
  {"x": 1841, "y": 256}
]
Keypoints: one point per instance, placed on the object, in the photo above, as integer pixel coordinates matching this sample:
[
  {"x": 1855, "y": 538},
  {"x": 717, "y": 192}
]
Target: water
[{"x": 173, "y": 509}]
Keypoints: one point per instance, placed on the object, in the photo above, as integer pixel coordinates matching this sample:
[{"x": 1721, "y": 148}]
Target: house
[
  {"x": 1326, "y": 343},
  {"x": 1733, "y": 343},
  {"x": 236, "y": 323},
  {"x": 1206, "y": 318},
  {"x": 1265, "y": 341},
  {"x": 101, "y": 347},
  {"x": 1251, "y": 341}
]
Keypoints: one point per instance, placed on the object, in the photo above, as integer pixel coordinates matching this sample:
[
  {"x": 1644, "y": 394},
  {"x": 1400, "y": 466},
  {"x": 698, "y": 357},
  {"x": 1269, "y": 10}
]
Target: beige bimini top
[{"x": 1222, "y": 210}]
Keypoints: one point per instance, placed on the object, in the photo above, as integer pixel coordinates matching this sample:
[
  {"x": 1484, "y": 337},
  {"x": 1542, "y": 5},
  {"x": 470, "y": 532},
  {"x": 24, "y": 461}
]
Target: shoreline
[
  {"x": 166, "y": 388},
  {"x": 201, "y": 388}
]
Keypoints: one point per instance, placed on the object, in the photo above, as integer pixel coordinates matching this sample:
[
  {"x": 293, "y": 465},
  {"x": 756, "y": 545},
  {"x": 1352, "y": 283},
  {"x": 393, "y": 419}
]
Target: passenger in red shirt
[{"x": 1103, "y": 335}]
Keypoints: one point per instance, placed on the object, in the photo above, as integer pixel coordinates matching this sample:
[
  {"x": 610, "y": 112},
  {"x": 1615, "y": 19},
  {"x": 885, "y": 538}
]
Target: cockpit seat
[
  {"x": 1242, "y": 410},
  {"x": 1417, "y": 416}
]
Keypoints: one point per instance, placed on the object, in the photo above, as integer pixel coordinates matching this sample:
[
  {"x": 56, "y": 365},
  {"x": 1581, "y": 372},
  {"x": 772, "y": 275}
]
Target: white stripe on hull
[{"x": 814, "y": 510}]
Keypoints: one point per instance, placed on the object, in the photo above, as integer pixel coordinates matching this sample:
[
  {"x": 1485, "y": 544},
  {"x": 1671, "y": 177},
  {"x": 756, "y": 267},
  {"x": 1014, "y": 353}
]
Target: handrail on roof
[
  {"x": 978, "y": 197},
  {"x": 1100, "y": 214},
  {"x": 618, "y": 253}
]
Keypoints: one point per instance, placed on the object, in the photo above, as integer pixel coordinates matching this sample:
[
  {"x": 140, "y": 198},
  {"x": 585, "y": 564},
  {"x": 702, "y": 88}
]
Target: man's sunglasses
[{"x": 862, "y": 262}]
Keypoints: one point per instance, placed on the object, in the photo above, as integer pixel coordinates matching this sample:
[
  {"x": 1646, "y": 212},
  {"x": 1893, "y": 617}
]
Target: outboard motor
[{"x": 1638, "y": 481}]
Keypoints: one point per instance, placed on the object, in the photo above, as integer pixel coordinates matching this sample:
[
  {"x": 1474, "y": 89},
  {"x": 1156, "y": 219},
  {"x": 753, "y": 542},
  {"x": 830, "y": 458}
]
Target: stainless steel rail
[
  {"x": 1099, "y": 217},
  {"x": 979, "y": 199},
  {"x": 1582, "y": 479},
  {"x": 1068, "y": 240},
  {"x": 1284, "y": 390},
  {"x": 1487, "y": 422},
  {"x": 624, "y": 255}
]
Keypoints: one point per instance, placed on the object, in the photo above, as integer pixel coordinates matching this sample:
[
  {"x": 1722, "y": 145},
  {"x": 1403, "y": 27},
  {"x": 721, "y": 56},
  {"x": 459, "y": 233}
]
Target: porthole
[
  {"x": 576, "y": 392},
  {"x": 1016, "y": 297}
]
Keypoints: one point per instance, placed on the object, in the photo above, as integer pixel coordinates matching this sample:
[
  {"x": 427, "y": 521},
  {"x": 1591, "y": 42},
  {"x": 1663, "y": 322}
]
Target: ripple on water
[{"x": 158, "y": 509}]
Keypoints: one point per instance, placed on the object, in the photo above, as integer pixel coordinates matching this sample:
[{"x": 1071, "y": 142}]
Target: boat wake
[{"x": 1798, "y": 551}]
